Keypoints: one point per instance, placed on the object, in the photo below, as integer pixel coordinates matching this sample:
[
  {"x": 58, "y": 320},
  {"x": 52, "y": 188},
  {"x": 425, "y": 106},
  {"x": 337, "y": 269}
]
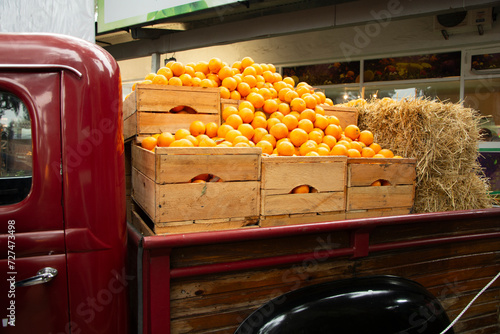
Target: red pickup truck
[{"x": 72, "y": 263}]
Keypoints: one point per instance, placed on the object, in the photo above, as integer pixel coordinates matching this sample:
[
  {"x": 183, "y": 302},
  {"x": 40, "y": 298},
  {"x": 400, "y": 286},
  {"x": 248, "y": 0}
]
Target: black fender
[{"x": 374, "y": 304}]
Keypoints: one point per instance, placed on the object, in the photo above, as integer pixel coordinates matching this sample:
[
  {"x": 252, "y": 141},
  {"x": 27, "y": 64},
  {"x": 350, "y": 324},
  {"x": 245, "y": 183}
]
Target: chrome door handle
[{"x": 42, "y": 276}]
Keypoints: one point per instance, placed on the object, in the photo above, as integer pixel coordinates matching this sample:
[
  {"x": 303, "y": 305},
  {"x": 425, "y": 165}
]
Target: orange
[
  {"x": 150, "y": 76},
  {"x": 321, "y": 121},
  {"x": 181, "y": 133},
  {"x": 289, "y": 80},
  {"x": 190, "y": 69},
  {"x": 186, "y": 79},
  {"x": 197, "y": 128},
  {"x": 246, "y": 130},
  {"x": 366, "y": 137},
  {"x": 258, "y": 68},
  {"x": 160, "y": 79},
  {"x": 256, "y": 99},
  {"x": 285, "y": 148},
  {"x": 230, "y": 83},
  {"x": 211, "y": 129},
  {"x": 250, "y": 80},
  {"x": 375, "y": 147},
  {"x": 277, "y": 115},
  {"x": 258, "y": 134},
  {"x": 376, "y": 183},
  {"x": 308, "y": 146},
  {"x": 328, "y": 102},
  {"x": 240, "y": 139},
  {"x": 192, "y": 139},
  {"x": 319, "y": 110},
  {"x": 242, "y": 144},
  {"x": 279, "y": 131},
  {"x": 323, "y": 150},
  {"x": 378, "y": 156},
  {"x": 259, "y": 122},
  {"x": 270, "y": 138},
  {"x": 207, "y": 142},
  {"x": 277, "y": 76},
  {"x": 267, "y": 147},
  {"x": 339, "y": 149},
  {"x": 165, "y": 139},
  {"x": 224, "y": 92},
  {"x": 206, "y": 83},
  {"x": 270, "y": 106},
  {"x": 234, "y": 120},
  {"x": 215, "y": 79},
  {"x": 249, "y": 71},
  {"x": 356, "y": 145},
  {"x": 367, "y": 152},
  {"x": 290, "y": 121},
  {"x": 199, "y": 75},
  {"x": 282, "y": 93},
  {"x": 196, "y": 82},
  {"x": 202, "y": 66},
  {"x": 261, "y": 113},
  {"x": 284, "y": 108},
  {"x": 352, "y": 131},
  {"x": 175, "y": 81},
  {"x": 333, "y": 130},
  {"x": 353, "y": 153},
  {"x": 225, "y": 72},
  {"x": 298, "y": 137},
  {"x": 268, "y": 76},
  {"x": 302, "y": 189},
  {"x": 223, "y": 129},
  {"x": 201, "y": 137},
  {"x": 266, "y": 93},
  {"x": 333, "y": 120},
  {"x": 306, "y": 125},
  {"x": 246, "y": 104},
  {"x": 243, "y": 88},
  {"x": 246, "y": 114},
  {"x": 178, "y": 68},
  {"x": 232, "y": 134},
  {"x": 386, "y": 153},
  {"x": 330, "y": 141},
  {"x": 310, "y": 101},
  {"x": 237, "y": 65},
  {"x": 271, "y": 122},
  {"x": 298, "y": 104},
  {"x": 344, "y": 143},
  {"x": 149, "y": 143},
  {"x": 290, "y": 95},
  {"x": 317, "y": 136},
  {"x": 308, "y": 114},
  {"x": 321, "y": 96},
  {"x": 214, "y": 65},
  {"x": 235, "y": 95},
  {"x": 182, "y": 143},
  {"x": 229, "y": 110},
  {"x": 246, "y": 61}
]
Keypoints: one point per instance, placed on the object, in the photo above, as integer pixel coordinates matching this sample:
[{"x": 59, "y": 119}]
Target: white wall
[{"x": 74, "y": 17}]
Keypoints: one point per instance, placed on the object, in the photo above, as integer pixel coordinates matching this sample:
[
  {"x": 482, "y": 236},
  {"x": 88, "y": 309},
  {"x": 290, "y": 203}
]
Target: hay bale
[{"x": 443, "y": 137}]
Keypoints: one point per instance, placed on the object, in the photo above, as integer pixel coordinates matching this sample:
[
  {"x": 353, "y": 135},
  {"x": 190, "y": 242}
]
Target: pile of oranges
[{"x": 274, "y": 113}]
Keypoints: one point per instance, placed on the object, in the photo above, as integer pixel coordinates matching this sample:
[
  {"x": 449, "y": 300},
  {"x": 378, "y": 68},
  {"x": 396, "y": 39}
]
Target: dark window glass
[
  {"x": 15, "y": 149},
  {"x": 324, "y": 74}
]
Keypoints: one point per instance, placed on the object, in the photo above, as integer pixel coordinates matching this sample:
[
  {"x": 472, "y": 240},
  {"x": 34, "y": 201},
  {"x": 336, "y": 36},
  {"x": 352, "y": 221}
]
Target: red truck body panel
[{"x": 83, "y": 182}]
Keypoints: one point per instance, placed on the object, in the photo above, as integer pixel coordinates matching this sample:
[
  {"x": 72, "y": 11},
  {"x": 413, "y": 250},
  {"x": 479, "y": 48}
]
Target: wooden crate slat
[
  {"x": 379, "y": 197},
  {"x": 302, "y": 203},
  {"x": 155, "y": 122},
  {"x": 364, "y": 174}
]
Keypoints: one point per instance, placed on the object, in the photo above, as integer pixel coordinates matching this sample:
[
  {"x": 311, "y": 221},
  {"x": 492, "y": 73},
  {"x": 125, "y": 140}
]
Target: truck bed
[{"x": 209, "y": 282}]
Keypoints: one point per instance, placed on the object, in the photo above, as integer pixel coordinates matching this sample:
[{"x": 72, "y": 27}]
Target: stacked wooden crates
[{"x": 257, "y": 190}]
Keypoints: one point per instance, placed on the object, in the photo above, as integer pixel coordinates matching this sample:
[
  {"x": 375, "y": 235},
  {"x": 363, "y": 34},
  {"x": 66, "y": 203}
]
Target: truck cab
[{"x": 62, "y": 187}]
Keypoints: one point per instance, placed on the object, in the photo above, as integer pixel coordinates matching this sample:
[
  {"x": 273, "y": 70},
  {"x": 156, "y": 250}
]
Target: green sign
[{"x": 118, "y": 14}]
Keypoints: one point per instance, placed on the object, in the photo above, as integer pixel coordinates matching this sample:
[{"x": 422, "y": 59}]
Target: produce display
[{"x": 280, "y": 116}]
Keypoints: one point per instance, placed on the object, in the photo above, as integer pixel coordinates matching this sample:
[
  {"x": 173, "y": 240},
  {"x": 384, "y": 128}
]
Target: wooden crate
[
  {"x": 161, "y": 187},
  {"x": 327, "y": 175},
  {"x": 365, "y": 200},
  {"x": 146, "y": 110},
  {"x": 346, "y": 115}
]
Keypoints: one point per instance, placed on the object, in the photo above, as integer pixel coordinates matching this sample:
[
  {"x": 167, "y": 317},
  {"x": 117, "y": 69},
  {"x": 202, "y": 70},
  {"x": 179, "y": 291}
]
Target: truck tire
[{"x": 374, "y": 304}]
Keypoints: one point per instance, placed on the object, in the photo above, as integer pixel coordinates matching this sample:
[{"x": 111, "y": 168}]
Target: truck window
[{"x": 15, "y": 149}]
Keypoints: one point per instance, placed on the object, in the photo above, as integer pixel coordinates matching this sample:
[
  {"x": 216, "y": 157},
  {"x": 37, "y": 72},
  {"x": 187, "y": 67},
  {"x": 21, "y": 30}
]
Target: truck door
[{"x": 33, "y": 296}]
